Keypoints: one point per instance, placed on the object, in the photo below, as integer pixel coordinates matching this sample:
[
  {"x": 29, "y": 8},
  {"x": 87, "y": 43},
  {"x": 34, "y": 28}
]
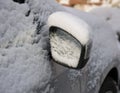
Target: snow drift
[{"x": 24, "y": 60}]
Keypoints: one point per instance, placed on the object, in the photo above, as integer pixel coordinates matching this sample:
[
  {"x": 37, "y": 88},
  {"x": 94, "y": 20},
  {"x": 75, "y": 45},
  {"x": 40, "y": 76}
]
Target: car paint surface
[{"x": 104, "y": 57}]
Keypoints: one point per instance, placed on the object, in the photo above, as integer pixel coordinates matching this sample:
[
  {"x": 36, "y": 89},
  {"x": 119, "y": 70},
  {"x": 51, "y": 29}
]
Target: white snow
[
  {"x": 65, "y": 49},
  {"x": 24, "y": 62},
  {"x": 72, "y": 24},
  {"x": 110, "y": 15}
]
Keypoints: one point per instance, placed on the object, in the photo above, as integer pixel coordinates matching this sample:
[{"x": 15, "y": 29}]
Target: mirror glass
[{"x": 65, "y": 49}]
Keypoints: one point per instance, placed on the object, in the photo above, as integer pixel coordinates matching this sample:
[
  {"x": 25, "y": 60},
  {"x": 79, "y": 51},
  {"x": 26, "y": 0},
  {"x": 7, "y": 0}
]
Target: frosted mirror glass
[{"x": 65, "y": 49}]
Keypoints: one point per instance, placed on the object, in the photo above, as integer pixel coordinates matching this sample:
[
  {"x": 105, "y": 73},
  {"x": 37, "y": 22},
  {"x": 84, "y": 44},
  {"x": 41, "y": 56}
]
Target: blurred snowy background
[
  {"x": 24, "y": 49},
  {"x": 88, "y": 5}
]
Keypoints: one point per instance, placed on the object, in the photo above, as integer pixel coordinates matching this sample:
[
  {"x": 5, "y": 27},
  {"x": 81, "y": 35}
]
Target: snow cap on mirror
[{"x": 71, "y": 24}]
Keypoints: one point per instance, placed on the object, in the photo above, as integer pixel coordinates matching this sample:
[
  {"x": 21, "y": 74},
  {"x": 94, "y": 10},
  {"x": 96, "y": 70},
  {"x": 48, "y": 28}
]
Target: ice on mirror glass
[{"x": 65, "y": 49}]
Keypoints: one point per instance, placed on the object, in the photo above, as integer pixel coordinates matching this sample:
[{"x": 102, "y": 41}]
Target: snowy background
[{"x": 24, "y": 48}]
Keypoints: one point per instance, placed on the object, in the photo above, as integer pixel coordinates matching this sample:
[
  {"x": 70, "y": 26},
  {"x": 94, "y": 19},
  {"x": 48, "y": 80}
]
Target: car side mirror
[{"x": 69, "y": 46}]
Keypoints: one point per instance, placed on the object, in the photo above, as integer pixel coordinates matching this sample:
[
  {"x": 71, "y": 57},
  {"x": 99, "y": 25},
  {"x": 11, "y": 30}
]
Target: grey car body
[{"x": 103, "y": 60}]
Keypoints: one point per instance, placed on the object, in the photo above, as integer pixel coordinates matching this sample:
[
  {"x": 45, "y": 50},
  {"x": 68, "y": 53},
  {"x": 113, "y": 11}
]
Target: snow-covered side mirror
[{"x": 69, "y": 39}]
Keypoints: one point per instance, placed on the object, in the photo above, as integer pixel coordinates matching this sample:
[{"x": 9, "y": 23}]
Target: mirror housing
[{"x": 67, "y": 32}]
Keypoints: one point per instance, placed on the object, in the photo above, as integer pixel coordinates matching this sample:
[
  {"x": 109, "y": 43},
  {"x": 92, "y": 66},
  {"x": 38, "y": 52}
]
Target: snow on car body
[
  {"x": 24, "y": 63},
  {"x": 103, "y": 61}
]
